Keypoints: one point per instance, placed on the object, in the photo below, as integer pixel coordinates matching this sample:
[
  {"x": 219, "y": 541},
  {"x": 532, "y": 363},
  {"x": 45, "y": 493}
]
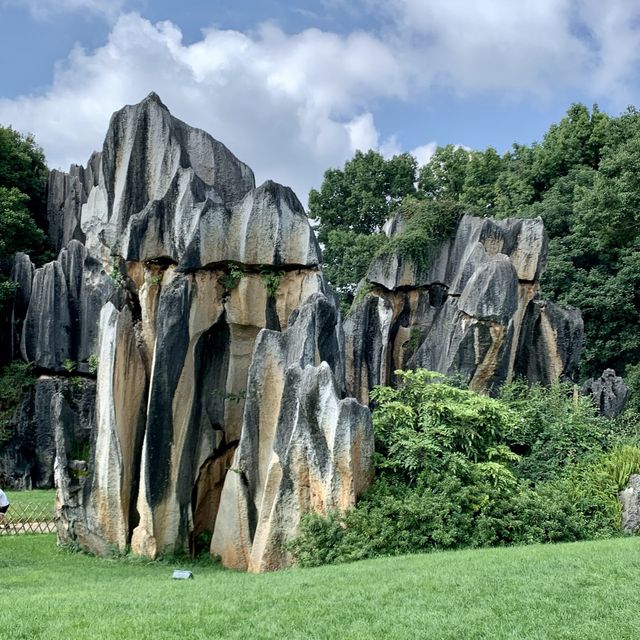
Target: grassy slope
[{"x": 585, "y": 590}]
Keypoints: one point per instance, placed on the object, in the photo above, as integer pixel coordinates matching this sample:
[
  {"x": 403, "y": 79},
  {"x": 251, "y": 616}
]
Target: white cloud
[
  {"x": 292, "y": 105},
  {"x": 424, "y": 152},
  {"x": 363, "y": 134},
  {"x": 288, "y": 105},
  {"x": 523, "y": 49}
]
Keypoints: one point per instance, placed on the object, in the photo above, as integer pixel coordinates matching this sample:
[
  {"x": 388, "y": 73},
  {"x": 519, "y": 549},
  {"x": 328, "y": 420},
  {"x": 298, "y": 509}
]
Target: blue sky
[{"x": 295, "y": 87}]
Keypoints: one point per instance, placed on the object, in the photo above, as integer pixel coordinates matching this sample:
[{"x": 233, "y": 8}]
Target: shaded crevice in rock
[
  {"x": 172, "y": 341},
  {"x": 27, "y": 458}
]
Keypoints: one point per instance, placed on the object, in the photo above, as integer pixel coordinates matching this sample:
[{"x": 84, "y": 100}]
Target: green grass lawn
[
  {"x": 583, "y": 590},
  {"x": 37, "y": 497}
]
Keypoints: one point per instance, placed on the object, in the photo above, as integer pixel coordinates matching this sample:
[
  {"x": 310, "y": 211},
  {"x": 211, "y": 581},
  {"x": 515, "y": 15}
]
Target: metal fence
[{"x": 27, "y": 518}]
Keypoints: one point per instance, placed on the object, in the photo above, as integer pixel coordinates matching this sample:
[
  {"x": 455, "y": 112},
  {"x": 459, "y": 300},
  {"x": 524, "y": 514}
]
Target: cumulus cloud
[
  {"x": 292, "y": 105},
  {"x": 289, "y": 105},
  {"x": 424, "y": 152},
  {"x": 523, "y": 49}
]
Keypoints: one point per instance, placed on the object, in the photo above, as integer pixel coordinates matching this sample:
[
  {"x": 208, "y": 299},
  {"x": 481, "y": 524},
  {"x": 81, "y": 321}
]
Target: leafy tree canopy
[
  {"x": 23, "y": 183},
  {"x": 23, "y": 167},
  {"x": 361, "y": 196}
]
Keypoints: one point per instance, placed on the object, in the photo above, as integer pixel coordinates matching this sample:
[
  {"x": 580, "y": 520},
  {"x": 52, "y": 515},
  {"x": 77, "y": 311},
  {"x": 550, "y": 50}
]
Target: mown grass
[
  {"x": 37, "y": 497},
  {"x": 585, "y": 590}
]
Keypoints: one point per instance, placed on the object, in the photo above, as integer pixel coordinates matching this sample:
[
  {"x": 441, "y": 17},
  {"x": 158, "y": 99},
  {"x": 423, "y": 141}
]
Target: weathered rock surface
[
  {"x": 302, "y": 448},
  {"x": 629, "y": 499},
  {"x": 65, "y": 404},
  {"x": 64, "y": 304},
  {"x": 66, "y": 193},
  {"x": 200, "y": 263},
  {"x": 473, "y": 311},
  {"x": 609, "y": 393},
  {"x": 22, "y": 274},
  {"x": 168, "y": 191}
]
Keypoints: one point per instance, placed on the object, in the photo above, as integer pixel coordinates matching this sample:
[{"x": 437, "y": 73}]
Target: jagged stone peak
[
  {"x": 154, "y": 97},
  {"x": 166, "y": 190}
]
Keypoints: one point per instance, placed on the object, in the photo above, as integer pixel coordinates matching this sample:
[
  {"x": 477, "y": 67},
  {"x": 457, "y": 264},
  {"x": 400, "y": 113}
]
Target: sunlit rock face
[
  {"x": 173, "y": 269},
  {"x": 471, "y": 310}
]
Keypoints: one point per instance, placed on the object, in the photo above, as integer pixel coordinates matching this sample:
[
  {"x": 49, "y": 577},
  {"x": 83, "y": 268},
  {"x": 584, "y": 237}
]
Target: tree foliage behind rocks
[{"x": 351, "y": 207}]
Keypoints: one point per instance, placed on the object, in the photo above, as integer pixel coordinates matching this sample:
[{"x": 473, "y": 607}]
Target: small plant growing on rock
[
  {"x": 69, "y": 365},
  {"x": 154, "y": 281},
  {"x": 93, "y": 364},
  {"x": 115, "y": 274},
  {"x": 232, "y": 278},
  {"x": 233, "y": 397},
  {"x": 271, "y": 280}
]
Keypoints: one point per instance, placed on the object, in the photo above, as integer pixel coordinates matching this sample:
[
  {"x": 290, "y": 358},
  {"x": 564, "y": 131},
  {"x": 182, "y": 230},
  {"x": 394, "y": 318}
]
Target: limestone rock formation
[
  {"x": 65, "y": 299},
  {"x": 66, "y": 193},
  {"x": 22, "y": 274},
  {"x": 168, "y": 191},
  {"x": 53, "y": 404},
  {"x": 609, "y": 393},
  {"x": 228, "y": 390},
  {"x": 172, "y": 267},
  {"x": 629, "y": 499},
  {"x": 301, "y": 448},
  {"x": 472, "y": 310}
]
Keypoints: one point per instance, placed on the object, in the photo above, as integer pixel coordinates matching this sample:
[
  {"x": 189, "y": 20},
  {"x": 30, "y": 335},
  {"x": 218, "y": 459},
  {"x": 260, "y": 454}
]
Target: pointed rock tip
[{"x": 154, "y": 97}]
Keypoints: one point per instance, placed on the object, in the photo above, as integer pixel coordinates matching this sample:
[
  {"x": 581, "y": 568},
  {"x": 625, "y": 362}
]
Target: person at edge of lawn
[{"x": 4, "y": 506}]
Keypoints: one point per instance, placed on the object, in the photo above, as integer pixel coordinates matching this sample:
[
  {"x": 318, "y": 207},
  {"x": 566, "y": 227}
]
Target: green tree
[
  {"x": 23, "y": 181},
  {"x": 444, "y": 175},
  {"x": 361, "y": 196},
  {"x": 347, "y": 256},
  {"x": 23, "y": 167}
]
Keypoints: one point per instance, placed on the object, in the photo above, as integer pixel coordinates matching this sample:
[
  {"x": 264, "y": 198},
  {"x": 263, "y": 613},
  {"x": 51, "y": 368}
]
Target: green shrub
[
  {"x": 93, "y": 364},
  {"x": 427, "y": 222},
  {"x": 69, "y": 365},
  {"x": 426, "y": 424},
  {"x": 557, "y": 428},
  {"x": 455, "y": 469},
  {"x": 232, "y": 278},
  {"x": 116, "y": 274}
]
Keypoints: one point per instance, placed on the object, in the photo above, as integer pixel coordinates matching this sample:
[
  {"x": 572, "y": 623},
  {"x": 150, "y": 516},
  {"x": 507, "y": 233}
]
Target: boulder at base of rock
[
  {"x": 630, "y": 501},
  {"x": 609, "y": 393}
]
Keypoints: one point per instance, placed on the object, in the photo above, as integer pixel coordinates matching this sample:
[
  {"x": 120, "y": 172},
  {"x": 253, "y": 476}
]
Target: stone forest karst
[{"x": 218, "y": 386}]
